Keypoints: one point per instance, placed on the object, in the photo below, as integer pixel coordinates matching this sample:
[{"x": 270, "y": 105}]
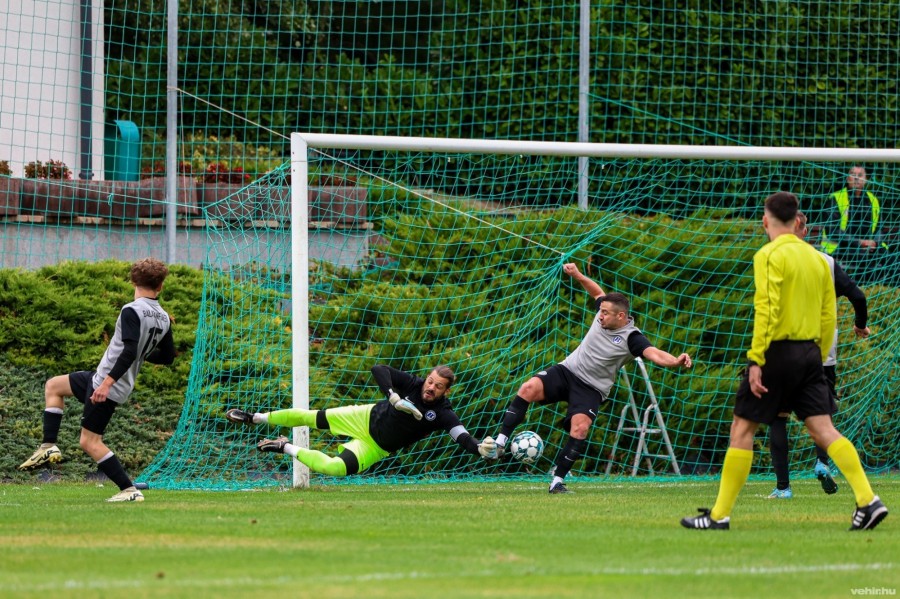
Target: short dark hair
[
  {"x": 619, "y": 300},
  {"x": 783, "y": 205},
  {"x": 445, "y": 372},
  {"x": 149, "y": 273}
]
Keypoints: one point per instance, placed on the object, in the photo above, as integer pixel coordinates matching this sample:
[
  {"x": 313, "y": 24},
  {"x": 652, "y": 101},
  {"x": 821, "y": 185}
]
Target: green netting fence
[
  {"x": 459, "y": 273},
  {"x": 424, "y": 258}
]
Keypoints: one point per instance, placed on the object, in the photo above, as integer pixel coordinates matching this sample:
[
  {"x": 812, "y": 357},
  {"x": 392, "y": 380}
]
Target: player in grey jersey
[
  {"x": 143, "y": 333},
  {"x": 585, "y": 377}
]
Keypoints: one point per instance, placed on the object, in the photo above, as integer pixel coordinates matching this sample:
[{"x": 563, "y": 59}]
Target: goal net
[{"x": 414, "y": 253}]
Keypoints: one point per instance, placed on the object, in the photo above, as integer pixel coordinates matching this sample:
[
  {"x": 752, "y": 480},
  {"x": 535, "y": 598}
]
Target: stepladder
[{"x": 647, "y": 422}]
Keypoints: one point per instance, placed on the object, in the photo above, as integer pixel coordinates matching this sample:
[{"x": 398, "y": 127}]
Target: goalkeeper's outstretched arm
[{"x": 487, "y": 448}]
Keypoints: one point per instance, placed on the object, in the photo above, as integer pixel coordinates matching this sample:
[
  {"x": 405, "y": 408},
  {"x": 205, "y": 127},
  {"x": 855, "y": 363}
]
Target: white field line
[{"x": 261, "y": 583}]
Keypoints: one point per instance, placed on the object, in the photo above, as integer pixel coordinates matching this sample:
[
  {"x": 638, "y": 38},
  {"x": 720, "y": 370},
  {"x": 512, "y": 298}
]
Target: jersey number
[{"x": 153, "y": 337}]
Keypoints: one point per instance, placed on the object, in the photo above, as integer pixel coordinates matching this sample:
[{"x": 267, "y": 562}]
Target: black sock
[
  {"x": 514, "y": 414},
  {"x": 778, "y": 447},
  {"x": 113, "y": 469},
  {"x": 569, "y": 454},
  {"x": 822, "y": 455},
  {"x": 52, "y": 422}
]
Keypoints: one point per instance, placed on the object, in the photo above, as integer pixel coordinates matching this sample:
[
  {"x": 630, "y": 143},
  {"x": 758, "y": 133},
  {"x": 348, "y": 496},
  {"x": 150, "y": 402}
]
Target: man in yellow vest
[{"x": 851, "y": 233}]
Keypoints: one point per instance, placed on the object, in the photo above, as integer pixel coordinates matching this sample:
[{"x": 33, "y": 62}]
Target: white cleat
[
  {"x": 129, "y": 494},
  {"x": 47, "y": 453}
]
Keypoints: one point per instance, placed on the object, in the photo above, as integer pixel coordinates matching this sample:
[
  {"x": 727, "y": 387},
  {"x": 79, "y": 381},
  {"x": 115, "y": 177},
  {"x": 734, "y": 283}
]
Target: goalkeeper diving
[{"x": 414, "y": 409}]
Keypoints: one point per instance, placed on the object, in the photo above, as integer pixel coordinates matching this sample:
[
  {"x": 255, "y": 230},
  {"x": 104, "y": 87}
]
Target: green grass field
[{"x": 506, "y": 539}]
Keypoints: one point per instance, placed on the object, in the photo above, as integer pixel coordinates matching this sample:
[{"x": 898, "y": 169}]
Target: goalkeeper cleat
[
  {"x": 705, "y": 522},
  {"x": 129, "y": 494},
  {"x": 781, "y": 494},
  {"x": 559, "y": 489},
  {"x": 822, "y": 473},
  {"x": 47, "y": 453},
  {"x": 868, "y": 517},
  {"x": 273, "y": 445},
  {"x": 239, "y": 416}
]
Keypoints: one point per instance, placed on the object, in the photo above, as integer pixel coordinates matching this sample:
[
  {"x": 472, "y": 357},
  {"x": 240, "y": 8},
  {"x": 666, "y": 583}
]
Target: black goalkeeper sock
[
  {"x": 778, "y": 447},
  {"x": 822, "y": 455},
  {"x": 514, "y": 414},
  {"x": 52, "y": 422},
  {"x": 113, "y": 469},
  {"x": 568, "y": 456}
]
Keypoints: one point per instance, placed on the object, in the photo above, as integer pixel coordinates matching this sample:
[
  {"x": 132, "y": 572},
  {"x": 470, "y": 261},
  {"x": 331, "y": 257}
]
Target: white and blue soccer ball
[{"x": 526, "y": 447}]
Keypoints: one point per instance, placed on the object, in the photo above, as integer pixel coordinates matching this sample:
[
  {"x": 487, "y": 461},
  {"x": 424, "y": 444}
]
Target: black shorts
[
  {"x": 796, "y": 381},
  {"x": 96, "y": 416},
  {"x": 561, "y": 385}
]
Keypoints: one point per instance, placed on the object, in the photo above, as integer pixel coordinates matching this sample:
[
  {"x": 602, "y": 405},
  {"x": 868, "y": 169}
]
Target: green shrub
[{"x": 59, "y": 319}]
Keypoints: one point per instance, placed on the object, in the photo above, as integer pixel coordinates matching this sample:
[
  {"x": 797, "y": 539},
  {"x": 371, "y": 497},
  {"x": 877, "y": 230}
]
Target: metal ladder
[{"x": 642, "y": 426}]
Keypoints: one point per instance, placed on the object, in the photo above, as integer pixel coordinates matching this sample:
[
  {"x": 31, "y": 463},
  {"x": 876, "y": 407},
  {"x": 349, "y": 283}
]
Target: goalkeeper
[{"x": 414, "y": 409}]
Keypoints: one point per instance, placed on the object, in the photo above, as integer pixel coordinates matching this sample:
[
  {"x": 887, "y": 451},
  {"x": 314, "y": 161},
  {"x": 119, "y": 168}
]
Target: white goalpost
[{"x": 302, "y": 144}]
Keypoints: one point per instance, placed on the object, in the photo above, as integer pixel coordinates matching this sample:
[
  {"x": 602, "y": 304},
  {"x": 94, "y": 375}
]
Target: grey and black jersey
[
  {"x": 844, "y": 286},
  {"x": 596, "y": 361},
  {"x": 142, "y": 328},
  {"x": 832, "y": 353}
]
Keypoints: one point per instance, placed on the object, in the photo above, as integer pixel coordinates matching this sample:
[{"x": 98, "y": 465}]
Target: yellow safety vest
[{"x": 842, "y": 198}]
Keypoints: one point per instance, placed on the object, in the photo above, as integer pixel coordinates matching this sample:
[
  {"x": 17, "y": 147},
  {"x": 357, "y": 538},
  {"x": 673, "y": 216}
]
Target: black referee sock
[
  {"x": 778, "y": 447},
  {"x": 514, "y": 414},
  {"x": 113, "y": 469},
  {"x": 568, "y": 456},
  {"x": 52, "y": 422}
]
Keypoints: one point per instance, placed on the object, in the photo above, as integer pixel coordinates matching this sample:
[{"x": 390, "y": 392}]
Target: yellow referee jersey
[{"x": 794, "y": 297}]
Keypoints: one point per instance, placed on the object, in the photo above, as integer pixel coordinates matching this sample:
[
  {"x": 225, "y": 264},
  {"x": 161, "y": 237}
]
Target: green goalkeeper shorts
[{"x": 353, "y": 422}]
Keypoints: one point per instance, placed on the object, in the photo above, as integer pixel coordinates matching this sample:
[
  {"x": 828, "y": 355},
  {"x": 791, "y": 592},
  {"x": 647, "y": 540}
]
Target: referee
[{"x": 793, "y": 330}]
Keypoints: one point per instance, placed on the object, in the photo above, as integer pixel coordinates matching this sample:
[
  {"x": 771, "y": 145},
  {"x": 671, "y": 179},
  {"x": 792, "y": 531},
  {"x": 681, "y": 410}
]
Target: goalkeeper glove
[
  {"x": 404, "y": 405},
  {"x": 488, "y": 449}
]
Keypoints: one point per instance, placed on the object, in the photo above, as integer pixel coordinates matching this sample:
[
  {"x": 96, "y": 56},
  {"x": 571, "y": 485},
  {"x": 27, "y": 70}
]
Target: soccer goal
[{"x": 417, "y": 252}]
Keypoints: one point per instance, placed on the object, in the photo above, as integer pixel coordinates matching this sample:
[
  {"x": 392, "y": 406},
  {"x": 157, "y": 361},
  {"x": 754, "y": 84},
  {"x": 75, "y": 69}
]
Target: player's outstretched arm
[
  {"x": 586, "y": 282},
  {"x": 487, "y": 449},
  {"x": 663, "y": 358}
]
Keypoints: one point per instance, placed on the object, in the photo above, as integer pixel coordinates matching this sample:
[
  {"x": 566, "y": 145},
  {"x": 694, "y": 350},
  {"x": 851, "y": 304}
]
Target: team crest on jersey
[
  {"x": 617, "y": 339},
  {"x": 430, "y": 415}
]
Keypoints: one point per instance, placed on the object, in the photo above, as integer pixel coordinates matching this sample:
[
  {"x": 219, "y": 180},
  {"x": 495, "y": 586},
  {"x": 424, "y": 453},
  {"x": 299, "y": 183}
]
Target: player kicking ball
[
  {"x": 414, "y": 409},
  {"x": 143, "y": 334}
]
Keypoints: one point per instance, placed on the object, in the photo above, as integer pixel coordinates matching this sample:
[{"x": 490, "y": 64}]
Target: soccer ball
[{"x": 526, "y": 447}]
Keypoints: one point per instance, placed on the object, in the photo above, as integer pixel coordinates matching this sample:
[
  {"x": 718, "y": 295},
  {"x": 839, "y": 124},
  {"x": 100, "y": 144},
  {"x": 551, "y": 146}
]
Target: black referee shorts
[{"x": 796, "y": 381}]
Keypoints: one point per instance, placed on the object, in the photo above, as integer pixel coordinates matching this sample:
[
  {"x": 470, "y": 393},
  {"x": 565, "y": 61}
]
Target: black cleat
[
  {"x": 273, "y": 445},
  {"x": 867, "y": 518},
  {"x": 828, "y": 485},
  {"x": 239, "y": 416},
  {"x": 705, "y": 522},
  {"x": 559, "y": 489}
]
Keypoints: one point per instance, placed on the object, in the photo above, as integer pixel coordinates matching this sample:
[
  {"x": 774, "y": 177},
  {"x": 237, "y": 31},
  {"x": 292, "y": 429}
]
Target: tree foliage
[{"x": 674, "y": 71}]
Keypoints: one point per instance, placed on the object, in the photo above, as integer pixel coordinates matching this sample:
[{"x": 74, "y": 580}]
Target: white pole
[
  {"x": 584, "y": 90},
  {"x": 171, "y": 130},
  {"x": 300, "y": 295},
  {"x": 597, "y": 150}
]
